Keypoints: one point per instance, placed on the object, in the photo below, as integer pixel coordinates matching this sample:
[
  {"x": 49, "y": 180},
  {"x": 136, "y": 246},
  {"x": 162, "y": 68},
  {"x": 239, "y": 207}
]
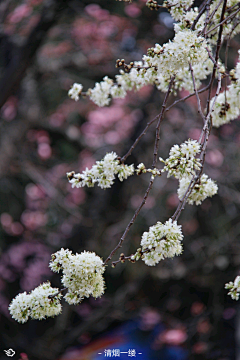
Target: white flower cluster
[
  {"x": 234, "y": 288},
  {"x": 175, "y": 56},
  {"x": 100, "y": 93},
  {"x": 206, "y": 187},
  {"x": 82, "y": 274},
  {"x": 185, "y": 16},
  {"x": 161, "y": 63},
  {"x": 178, "y": 8},
  {"x": 187, "y": 20},
  {"x": 75, "y": 91},
  {"x": 37, "y": 304},
  {"x": 183, "y": 78},
  {"x": 103, "y": 173},
  {"x": 160, "y": 242},
  {"x": 227, "y": 105},
  {"x": 182, "y": 161},
  {"x": 182, "y": 164},
  {"x": 230, "y": 29}
]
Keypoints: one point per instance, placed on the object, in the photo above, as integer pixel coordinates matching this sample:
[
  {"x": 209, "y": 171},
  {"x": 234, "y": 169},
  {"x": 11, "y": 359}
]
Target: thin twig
[
  {"x": 130, "y": 223},
  {"x": 138, "y": 139},
  {"x": 206, "y": 130},
  {"x": 197, "y": 96},
  {"x": 157, "y": 138},
  {"x": 207, "y": 23},
  {"x": 200, "y": 14},
  {"x": 186, "y": 97},
  {"x": 219, "y": 43}
]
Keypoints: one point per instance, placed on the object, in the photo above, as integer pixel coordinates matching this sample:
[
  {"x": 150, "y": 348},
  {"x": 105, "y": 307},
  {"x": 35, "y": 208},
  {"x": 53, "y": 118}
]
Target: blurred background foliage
[{"x": 179, "y": 308}]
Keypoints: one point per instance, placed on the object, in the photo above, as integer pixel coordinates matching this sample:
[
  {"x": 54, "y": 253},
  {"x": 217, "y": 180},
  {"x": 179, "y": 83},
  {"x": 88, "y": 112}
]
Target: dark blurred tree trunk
[{"x": 19, "y": 58}]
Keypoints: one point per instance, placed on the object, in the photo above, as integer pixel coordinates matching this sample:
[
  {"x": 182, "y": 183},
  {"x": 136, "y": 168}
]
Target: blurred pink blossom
[
  {"x": 194, "y": 133},
  {"x": 200, "y": 347},
  {"x": 44, "y": 151},
  {"x": 9, "y": 109},
  {"x": 35, "y": 192},
  {"x": 132, "y": 10},
  {"x": 23, "y": 356},
  {"x": 25, "y": 260},
  {"x": 16, "y": 228},
  {"x": 33, "y": 219},
  {"x": 214, "y": 158},
  {"x": 172, "y": 201},
  {"x": 6, "y": 219},
  {"x": 173, "y": 337},
  {"x": 197, "y": 308},
  {"x": 19, "y": 13},
  {"x": 190, "y": 227},
  {"x": 96, "y": 12},
  {"x": 149, "y": 319}
]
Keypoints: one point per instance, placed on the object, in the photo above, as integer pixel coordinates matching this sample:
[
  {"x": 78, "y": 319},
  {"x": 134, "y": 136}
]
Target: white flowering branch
[{"x": 167, "y": 67}]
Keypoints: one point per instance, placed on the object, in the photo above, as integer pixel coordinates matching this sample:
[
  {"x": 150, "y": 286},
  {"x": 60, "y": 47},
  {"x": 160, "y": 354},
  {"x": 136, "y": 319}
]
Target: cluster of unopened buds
[
  {"x": 152, "y": 5},
  {"x": 126, "y": 67},
  {"x": 141, "y": 169}
]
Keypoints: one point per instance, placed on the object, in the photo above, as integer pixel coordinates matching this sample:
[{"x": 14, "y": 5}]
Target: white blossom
[
  {"x": 103, "y": 173},
  {"x": 234, "y": 288},
  {"x": 179, "y": 7},
  {"x": 227, "y": 105},
  {"x": 41, "y": 305},
  {"x": 161, "y": 241},
  {"x": 75, "y": 91},
  {"x": 100, "y": 93},
  {"x": 37, "y": 304},
  {"x": 20, "y": 307},
  {"x": 82, "y": 274},
  {"x": 206, "y": 187},
  {"x": 182, "y": 161},
  {"x": 60, "y": 259},
  {"x": 226, "y": 108}
]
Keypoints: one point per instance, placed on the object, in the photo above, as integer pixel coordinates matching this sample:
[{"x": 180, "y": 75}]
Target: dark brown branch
[
  {"x": 139, "y": 138},
  {"x": 207, "y": 3},
  {"x": 206, "y": 130},
  {"x": 219, "y": 43},
  {"x": 161, "y": 115},
  {"x": 208, "y": 21},
  {"x": 130, "y": 223},
  {"x": 186, "y": 97}
]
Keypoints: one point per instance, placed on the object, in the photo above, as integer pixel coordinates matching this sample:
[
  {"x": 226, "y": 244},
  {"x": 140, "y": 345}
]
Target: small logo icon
[{"x": 9, "y": 352}]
